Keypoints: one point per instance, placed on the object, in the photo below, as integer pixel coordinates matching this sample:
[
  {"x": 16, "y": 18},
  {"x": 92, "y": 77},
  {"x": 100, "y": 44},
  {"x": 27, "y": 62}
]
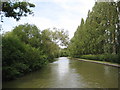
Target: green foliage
[
  {"x": 53, "y": 39},
  {"x": 64, "y": 52},
  {"x": 29, "y": 34},
  {"x": 27, "y": 49},
  {"x": 103, "y": 57},
  {"x": 99, "y": 34},
  {"x": 16, "y": 9},
  {"x": 60, "y": 36},
  {"x": 20, "y": 58},
  {"x": 34, "y": 58},
  {"x": 50, "y": 48},
  {"x": 12, "y": 53},
  {"x": 12, "y": 47}
]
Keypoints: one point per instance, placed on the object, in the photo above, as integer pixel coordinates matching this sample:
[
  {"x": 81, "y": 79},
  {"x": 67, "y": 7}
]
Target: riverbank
[{"x": 99, "y": 62}]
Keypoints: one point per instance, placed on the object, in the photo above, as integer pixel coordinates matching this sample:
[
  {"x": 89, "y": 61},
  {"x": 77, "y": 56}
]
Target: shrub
[
  {"x": 20, "y": 58},
  {"x": 103, "y": 57}
]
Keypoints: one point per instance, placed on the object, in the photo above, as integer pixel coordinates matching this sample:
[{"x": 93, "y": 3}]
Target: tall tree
[{"x": 100, "y": 32}]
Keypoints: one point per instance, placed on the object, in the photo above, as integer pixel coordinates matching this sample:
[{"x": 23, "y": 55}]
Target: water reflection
[
  {"x": 106, "y": 69},
  {"x": 65, "y": 75},
  {"x": 63, "y": 67}
]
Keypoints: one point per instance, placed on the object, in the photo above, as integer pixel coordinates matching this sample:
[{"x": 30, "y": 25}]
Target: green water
[{"x": 69, "y": 73}]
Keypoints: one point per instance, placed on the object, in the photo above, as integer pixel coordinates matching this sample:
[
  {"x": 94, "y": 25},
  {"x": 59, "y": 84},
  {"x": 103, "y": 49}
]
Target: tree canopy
[{"x": 16, "y": 9}]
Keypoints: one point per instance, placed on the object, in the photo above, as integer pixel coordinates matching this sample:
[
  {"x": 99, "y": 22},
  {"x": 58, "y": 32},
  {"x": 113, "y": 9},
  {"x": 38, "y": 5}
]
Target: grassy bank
[
  {"x": 101, "y": 62},
  {"x": 104, "y": 57}
]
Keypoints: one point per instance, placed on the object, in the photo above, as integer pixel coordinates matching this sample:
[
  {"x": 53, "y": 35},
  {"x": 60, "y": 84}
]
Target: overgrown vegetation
[
  {"x": 27, "y": 49},
  {"x": 98, "y": 37}
]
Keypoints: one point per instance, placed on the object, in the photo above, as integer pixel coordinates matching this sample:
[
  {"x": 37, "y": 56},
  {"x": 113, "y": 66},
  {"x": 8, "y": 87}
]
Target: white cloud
[{"x": 75, "y": 10}]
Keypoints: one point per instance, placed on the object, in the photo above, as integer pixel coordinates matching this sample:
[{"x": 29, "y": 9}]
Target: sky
[{"x": 62, "y": 14}]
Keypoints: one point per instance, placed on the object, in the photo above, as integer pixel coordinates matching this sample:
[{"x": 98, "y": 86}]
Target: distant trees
[
  {"x": 54, "y": 39},
  {"x": 63, "y": 52},
  {"x": 100, "y": 33},
  {"x": 26, "y": 49}
]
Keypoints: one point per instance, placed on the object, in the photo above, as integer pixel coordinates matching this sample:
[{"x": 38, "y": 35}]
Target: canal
[{"x": 68, "y": 73}]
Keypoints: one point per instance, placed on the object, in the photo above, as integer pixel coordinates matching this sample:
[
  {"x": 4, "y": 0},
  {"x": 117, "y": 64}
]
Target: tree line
[
  {"x": 27, "y": 49},
  {"x": 98, "y": 37}
]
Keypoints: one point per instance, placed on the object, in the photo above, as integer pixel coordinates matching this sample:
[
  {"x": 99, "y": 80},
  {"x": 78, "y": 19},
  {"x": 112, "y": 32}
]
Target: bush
[
  {"x": 92, "y": 57},
  {"x": 103, "y": 57},
  {"x": 20, "y": 58},
  {"x": 12, "y": 54},
  {"x": 9, "y": 73}
]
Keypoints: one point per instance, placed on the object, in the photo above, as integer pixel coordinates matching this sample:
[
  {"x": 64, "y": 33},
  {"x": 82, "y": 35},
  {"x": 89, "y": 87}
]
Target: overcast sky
[{"x": 62, "y": 14}]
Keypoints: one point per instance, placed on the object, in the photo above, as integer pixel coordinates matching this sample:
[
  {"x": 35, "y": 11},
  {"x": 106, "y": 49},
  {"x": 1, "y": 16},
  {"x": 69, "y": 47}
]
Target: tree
[
  {"x": 60, "y": 37},
  {"x": 100, "y": 33},
  {"x": 118, "y": 26},
  {"x": 16, "y": 9},
  {"x": 53, "y": 39},
  {"x": 49, "y": 48},
  {"x": 29, "y": 34},
  {"x": 20, "y": 56}
]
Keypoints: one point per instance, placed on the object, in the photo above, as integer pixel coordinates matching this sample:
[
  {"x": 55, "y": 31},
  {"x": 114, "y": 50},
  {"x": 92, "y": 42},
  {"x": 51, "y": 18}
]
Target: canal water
[{"x": 69, "y": 73}]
